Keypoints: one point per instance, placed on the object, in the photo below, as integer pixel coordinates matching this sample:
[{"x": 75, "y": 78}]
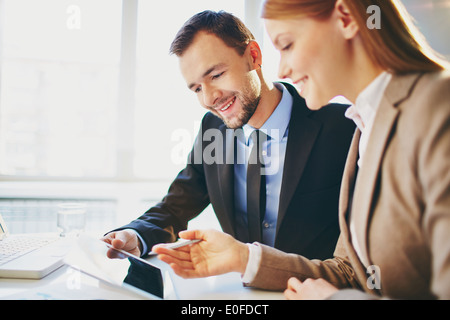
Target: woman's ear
[{"x": 346, "y": 22}]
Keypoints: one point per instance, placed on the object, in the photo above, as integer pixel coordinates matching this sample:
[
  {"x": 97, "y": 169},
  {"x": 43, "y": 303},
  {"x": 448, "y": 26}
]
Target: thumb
[
  {"x": 294, "y": 284},
  {"x": 191, "y": 234},
  {"x": 120, "y": 240}
]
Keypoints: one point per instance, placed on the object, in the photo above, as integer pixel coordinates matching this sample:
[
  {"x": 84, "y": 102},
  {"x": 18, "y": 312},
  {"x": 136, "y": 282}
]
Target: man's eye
[
  {"x": 217, "y": 75},
  {"x": 197, "y": 90}
]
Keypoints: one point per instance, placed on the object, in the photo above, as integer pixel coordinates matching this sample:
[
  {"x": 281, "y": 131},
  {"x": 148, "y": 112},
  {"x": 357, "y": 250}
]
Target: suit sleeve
[
  {"x": 186, "y": 198},
  {"x": 276, "y": 267}
]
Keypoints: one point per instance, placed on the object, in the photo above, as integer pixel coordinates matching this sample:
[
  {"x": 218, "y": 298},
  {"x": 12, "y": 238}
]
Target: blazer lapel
[
  {"x": 345, "y": 202},
  {"x": 348, "y": 179},
  {"x": 367, "y": 180},
  {"x": 225, "y": 172},
  {"x": 303, "y": 132}
]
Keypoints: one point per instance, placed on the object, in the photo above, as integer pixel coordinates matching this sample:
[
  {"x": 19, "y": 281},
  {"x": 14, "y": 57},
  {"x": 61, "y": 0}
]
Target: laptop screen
[{"x": 117, "y": 267}]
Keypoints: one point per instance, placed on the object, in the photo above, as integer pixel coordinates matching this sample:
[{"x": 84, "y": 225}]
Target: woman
[{"x": 395, "y": 195}]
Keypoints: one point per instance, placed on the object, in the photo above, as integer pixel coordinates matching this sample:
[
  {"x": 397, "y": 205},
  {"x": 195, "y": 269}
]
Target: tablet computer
[{"x": 118, "y": 268}]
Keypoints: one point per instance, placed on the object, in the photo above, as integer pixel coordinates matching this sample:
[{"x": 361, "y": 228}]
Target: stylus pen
[{"x": 178, "y": 244}]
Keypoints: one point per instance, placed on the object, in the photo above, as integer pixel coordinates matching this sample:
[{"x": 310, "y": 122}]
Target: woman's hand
[
  {"x": 216, "y": 253},
  {"x": 310, "y": 289}
]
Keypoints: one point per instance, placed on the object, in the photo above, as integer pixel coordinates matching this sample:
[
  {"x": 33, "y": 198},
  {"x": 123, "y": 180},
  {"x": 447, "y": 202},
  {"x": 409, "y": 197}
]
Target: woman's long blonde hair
[{"x": 396, "y": 46}]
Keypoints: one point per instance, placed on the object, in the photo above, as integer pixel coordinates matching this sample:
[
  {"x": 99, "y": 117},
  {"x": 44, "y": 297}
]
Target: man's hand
[
  {"x": 310, "y": 289},
  {"x": 125, "y": 240},
  {"x": 216, "y": 253}
]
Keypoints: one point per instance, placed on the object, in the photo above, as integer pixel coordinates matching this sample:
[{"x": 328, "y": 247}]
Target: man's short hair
[{"x": 222, "y": 24}]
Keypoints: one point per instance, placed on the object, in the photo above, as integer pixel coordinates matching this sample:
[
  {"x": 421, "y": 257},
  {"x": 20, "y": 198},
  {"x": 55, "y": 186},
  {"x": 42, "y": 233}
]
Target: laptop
[
  {"x": 121, "y": 270},
  {"x": 30, "y": 256}
]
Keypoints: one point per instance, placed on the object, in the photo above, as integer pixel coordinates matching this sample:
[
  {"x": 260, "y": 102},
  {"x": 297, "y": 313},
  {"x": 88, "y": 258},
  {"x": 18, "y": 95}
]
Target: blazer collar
[
  {"x": 348, "y": 180},
  {"x": 366, "y": 186},
  {"x": 401, "y": 87},
  {"x": 345, "y": 202}
]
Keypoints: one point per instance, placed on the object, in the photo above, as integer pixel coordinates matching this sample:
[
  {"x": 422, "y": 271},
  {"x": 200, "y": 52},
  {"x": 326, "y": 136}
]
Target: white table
[{"x": 68, "y": 283}]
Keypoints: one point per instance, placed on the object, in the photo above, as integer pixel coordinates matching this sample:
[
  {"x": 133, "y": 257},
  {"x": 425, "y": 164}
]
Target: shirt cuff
[{"x": 254, "y": 258}]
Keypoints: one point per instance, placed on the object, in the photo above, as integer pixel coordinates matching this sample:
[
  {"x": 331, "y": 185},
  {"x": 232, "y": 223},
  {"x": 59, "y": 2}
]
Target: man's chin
[
  {"x": 236, "y": 121},
  {"x": 232, "y": 123}
]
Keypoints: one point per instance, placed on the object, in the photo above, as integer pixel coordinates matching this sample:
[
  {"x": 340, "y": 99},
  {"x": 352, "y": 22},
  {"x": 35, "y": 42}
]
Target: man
[{"x": 292, "y": 205}]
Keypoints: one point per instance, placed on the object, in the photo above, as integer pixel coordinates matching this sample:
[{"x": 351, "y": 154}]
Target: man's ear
[
  {"x": 254, "y": 53},
  {"x": 346, "y": 22}
]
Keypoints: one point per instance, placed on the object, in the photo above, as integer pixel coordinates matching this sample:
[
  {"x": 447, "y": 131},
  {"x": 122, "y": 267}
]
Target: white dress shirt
[
  {"x": 363, "y": 114},
  {"x": 364, "y": 110}
]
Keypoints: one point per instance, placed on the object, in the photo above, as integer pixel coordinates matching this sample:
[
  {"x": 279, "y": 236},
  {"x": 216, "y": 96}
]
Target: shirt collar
[
  {"x": 277, "y": 124},
  {"x": 367, "y": 103}
]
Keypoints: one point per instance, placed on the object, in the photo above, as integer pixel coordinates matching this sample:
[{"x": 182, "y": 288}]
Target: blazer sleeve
[
  {"x": 186, "y": 198},
  {"x": 276, "y": 267}
]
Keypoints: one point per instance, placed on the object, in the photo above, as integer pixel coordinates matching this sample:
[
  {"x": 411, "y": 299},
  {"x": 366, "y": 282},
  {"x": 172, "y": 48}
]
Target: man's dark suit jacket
[{"x": 317, "y": 147}]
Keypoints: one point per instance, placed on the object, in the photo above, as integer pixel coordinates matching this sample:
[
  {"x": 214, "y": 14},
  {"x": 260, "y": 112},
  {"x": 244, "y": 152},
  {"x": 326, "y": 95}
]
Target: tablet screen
[{"x": 116, "y": 267}]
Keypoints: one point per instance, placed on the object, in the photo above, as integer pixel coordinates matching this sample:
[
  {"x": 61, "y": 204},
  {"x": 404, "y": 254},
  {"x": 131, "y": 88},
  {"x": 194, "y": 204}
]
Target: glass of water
[{"x": 71, "y": 219}]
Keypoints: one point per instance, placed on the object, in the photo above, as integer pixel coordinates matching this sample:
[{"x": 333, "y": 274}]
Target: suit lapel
[
  {"x": 367, "y": 183},
  {"x": 225, "y": 172},
  {"x": 303, "y": 132}
]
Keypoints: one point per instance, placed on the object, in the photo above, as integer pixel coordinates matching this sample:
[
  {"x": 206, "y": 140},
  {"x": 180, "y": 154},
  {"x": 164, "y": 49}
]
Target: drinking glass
[{"x": 71, "y": 219}]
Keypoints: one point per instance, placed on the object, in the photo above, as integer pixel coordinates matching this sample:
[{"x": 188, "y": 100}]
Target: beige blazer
[{"x": 400, "y": 206}]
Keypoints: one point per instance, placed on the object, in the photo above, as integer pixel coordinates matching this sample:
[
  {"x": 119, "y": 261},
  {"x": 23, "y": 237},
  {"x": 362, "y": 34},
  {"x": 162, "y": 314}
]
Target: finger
[
  {"x": 121, "y": 239},
  {"x": 191, "y": 234},
  {"x": 186, "y": 249},
  {"x": 107, "y": 238},
  {"x": 290, "y": 294},
  {"x": 114, "y": 254},
  {"x": 183, "y": 264},
  {"x": 114, "y": 239},
  {"x": 294, "y": 284},
  {"x": 177, "y": 254},
  {"x": 293, "y": 291}
]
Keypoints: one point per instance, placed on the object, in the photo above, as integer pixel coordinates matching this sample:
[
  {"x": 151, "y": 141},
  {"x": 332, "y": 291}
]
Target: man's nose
[{"x": 211, "y": 95}]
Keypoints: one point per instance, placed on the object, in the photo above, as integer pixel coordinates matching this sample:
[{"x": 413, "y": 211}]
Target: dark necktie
[{"x": 256, "y": 187}]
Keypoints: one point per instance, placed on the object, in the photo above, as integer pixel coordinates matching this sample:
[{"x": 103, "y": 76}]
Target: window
[
  {"x": 88, "y": 96},
  {"x": 59, "y": 81},
  {"x": 89, "y": 91},
  {"x": 432, "y": 18},
  {"x": 168, "y": 115}
]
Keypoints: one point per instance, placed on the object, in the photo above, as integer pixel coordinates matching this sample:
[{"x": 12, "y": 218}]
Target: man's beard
[{"x": 249, "y": 106}]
